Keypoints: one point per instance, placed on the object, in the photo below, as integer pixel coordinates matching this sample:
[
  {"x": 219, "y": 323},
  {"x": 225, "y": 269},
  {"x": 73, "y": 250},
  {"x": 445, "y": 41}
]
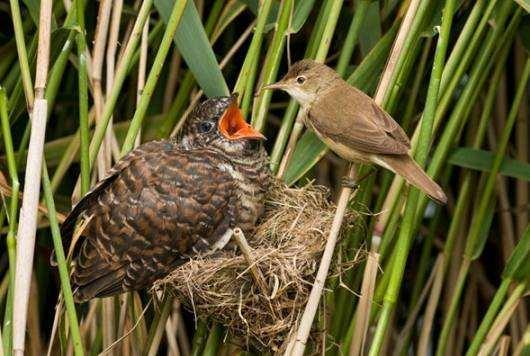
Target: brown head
[{"x": 305, "y": 80}]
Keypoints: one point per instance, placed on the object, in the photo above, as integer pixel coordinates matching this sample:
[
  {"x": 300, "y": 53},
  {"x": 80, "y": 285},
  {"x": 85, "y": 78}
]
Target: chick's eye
[
  {"x": 300, "y": 80},
  {"x": 205, "y": 127}
]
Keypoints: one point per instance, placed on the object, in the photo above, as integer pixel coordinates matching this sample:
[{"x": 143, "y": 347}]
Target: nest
[{"x": 285, "y": 252}]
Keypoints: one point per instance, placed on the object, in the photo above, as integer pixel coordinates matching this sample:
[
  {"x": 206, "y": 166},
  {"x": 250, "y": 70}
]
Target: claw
[{"x": 348, "y": 182}]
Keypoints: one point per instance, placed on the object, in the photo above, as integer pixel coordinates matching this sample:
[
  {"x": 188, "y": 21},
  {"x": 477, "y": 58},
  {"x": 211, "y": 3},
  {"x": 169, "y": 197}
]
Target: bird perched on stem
[
  {"x": 352, "y": 124},
  {"x": 169, "y": 200}
]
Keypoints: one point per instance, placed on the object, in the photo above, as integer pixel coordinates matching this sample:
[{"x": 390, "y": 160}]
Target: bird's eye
[
  {"x": 205, "y": 127},
  {"x": 300, "y": 80}
]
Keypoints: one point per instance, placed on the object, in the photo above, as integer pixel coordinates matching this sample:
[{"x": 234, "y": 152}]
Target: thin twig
[
  {"x": 247, "y": 253},
  {"x": 100, "y": 39}
]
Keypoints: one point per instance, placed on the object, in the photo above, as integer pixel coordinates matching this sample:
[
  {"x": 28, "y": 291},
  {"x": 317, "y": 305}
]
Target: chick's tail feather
[{"x": 406, "y": 167}]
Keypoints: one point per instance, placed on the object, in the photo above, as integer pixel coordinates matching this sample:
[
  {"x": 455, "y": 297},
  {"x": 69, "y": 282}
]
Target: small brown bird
[
  {"x": 169, "y": 200},
  {"x": 352, "y": 124}
]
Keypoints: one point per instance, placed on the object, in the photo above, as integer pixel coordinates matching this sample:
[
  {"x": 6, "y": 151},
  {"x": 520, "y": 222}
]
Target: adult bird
[
  {"x": 169, "y": 200},
  {"x": 352, "y": 124}
]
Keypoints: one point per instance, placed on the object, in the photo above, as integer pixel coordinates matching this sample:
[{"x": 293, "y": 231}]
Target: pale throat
[{"x": 305, "y": 98}]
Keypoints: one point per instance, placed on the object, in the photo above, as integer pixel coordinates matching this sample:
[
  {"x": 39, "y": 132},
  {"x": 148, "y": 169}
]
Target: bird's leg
[{"x": 353, "y": 183}]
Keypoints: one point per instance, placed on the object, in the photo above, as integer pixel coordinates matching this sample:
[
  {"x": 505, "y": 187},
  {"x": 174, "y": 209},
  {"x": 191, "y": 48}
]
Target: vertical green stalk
[
  {"x": 251, "y": 60},
  {"x": 213, "y": 341},
  {"x": 492, "y": 45},
  {"x": 272, "y": 63},
  {"x": 213, "y": 17},
  {"x": 22, "y": 53},
  {"x": 458, "y": 68},
  {"x": 474, "y": 244},
  {"x": 329, "y": 30},
  {"x": 119, "y": 78},
  {"x": 199, "y": 337},
  {"x": 407, "y": 227},
  {"x": 464, "y": 49},
  {"x": 64, "y": 275},
  {"x": 465, "y": 187},
  {"x": 485, "y": 324},
  {"x": 290, "y": 112},
  {"x": 154, "y": 74},
  {"x": 157, "y": 327},
  {"x": 13, "y": 211},
  {"x": 352, "y": 36},
  {"x": 83, "y": 97}
]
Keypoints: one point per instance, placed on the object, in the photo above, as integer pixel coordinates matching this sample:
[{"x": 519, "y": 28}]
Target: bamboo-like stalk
[
  {"x": 152, "y": 79},
  {"x": 142, "y": 68},
  {"x": 253, "y": 51},
  {"x": 22, "y": 53},
  {"x": 462, "y": 52},
  {"x": 521, "y": 139},
  {"x": 430, "y": 311},
  {"x": 171, "y": 85},
  {"x": 316, "y": 291},
  {"x": 328, "y": 30},
  {"x": 277, "y": 155},
  {"x": 492, "y": 46},
  {"x": 479, "y": 215},
  {"x": 352, "y": 37},
  {"x": 13, "y": 211},
  {"x": 110, "y": 64},
  {"x": 272, "y": 63},
  {"x": 29, "y": 212},
  {"x": 502, "y": 319},
  {"x": 362, "y": 313},
  {"x": 119, "y": 78},
  {"x": 64, "y": 275},
  {"x": 157, "y": 328},
  {"x": 83, "y": 97},
  {"x": 98, "y": 54},
  {"x": 407, "y": 228}
]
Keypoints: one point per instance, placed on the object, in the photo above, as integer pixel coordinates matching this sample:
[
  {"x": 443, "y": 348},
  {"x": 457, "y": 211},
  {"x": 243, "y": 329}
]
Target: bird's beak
[
  {"x": 278, "y": 85},
  {"x": 233, "y": 126}
]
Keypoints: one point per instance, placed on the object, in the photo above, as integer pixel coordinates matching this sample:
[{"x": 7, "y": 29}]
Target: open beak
[{"x": 234, "y": 127}]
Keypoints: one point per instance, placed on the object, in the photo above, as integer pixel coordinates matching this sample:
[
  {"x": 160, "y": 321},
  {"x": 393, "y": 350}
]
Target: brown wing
[
  {"x": 347, "y": 115},
  {"x": 67, "y": 228},
  {"x": 163, "y": 206}
]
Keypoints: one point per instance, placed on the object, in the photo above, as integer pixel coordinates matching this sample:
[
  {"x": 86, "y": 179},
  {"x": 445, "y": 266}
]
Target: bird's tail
[{"x": 406, "y": 167}]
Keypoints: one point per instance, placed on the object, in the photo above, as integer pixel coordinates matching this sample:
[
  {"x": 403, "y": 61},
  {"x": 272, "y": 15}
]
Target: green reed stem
[
  {"x": 62, "y": 264},
  {"x": 13, "y": 211},
  {"x": 83, "y": 96},
  {"x": 119, "y": 78},
  {"x": 154, "y": 74},
  {"x": 22, "y": 53},
  {"x": 272, "y": 63},
  {"x": 473, "y": 243},
  {"x": 407, "y": 227},
  {"x": 489, "y": 317},
  {"x": 352, "y": 36},
  {"x": 251, "y": 60}
]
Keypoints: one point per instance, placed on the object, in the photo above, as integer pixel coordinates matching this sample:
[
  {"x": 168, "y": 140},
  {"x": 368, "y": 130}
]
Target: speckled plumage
[{"x": 163, "y": 203}]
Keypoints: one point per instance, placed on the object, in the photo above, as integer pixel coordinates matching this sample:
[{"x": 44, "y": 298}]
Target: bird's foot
[{"x": 348, "y": 182}]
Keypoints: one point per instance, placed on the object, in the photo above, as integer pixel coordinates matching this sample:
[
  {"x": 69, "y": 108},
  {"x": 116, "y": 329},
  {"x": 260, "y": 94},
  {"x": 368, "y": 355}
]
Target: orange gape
[{"x": 234, "y": 127}]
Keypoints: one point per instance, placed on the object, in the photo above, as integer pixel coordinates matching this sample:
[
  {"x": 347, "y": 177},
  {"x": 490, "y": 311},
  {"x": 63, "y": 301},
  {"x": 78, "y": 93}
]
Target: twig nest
[{"x": 285, "y": 249}]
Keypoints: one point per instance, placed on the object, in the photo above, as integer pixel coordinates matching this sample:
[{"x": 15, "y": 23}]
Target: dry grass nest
[{"x": 285, "y": 250}]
